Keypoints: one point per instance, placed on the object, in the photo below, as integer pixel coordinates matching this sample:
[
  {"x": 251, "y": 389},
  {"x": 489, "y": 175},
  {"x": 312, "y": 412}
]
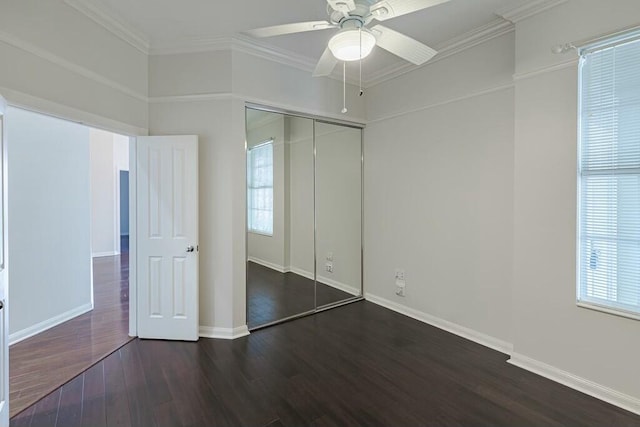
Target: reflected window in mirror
[{"x": 260, "y": 188}]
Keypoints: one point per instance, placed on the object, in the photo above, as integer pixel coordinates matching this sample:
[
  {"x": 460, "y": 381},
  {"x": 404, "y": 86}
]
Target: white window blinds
[
  {"x": 260, "y": 188},
  {"x": 609, "y": 181}
]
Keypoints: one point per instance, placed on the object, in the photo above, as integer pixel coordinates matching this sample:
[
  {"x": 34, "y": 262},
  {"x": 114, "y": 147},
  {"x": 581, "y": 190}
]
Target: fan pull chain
[
  {"x": 360, "y": 62},
  {"x": 344, "y": 87}
]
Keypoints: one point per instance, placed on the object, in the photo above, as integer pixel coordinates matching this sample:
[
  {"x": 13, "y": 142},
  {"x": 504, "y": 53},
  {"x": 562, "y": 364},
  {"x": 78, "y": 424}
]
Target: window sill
[
  {"x": 259, "y": 233},
  {"x": 608, "y": 310}
]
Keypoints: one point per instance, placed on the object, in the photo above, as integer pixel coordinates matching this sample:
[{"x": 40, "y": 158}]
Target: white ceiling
[{"x": 170, "y": 23}]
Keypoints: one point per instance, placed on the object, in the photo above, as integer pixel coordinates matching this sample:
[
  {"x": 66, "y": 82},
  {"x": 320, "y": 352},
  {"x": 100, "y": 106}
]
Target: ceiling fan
[{"x": 356, "y": 37}]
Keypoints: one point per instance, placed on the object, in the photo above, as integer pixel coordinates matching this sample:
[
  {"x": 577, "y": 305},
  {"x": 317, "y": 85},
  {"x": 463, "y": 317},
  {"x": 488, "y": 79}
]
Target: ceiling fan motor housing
[{"x": 360, "y": 10}]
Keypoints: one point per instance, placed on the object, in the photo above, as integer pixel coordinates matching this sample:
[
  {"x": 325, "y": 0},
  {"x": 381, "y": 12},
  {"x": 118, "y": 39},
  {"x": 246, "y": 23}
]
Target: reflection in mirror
[
  {"x": 280, "y": 255},
  {"x": 338, "y": 213}
]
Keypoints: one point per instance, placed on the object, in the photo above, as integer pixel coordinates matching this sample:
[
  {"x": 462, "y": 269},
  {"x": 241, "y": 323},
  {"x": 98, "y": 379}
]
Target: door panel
[
  {"x": 4, "y": 315},
  {"x": 167, "y": 224}
]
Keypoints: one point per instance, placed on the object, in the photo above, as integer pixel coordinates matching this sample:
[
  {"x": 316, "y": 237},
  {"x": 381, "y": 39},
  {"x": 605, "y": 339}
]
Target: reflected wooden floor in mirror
[
  {"x": 45, "y": 361},
  {"x": 273, "y": 295}
]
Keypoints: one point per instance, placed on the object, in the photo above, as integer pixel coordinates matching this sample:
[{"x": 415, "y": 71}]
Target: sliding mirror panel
[
  {"x": 338, "y": 191},
  {"x": 280, "y": 257}
]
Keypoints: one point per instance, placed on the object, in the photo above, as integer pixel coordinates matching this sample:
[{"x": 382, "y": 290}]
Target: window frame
[{"x": 601, "y": 44}]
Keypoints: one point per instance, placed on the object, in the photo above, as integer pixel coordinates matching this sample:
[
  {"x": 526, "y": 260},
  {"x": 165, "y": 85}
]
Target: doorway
[
  {"x": 123, "y": 200},
  {"x": 68, "y": 274}
]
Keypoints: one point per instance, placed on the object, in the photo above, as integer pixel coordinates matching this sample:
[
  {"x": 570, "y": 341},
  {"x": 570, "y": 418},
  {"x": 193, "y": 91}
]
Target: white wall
[
  {"x": 49, "y": 213},
  {"x": 51, "y": 63},
  {"x": 549, "y": 329},
  {"x": 109, "y": 154},
  {"x": 103, "y": 242},
  {"x": 439, "y": 189}
]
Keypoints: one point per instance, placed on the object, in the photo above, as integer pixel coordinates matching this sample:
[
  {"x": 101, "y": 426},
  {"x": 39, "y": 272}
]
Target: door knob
[{"x": 190, "y": 249}]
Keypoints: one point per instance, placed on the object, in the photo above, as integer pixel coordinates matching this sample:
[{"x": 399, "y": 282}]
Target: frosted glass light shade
[{"x": 345, "y": 45}]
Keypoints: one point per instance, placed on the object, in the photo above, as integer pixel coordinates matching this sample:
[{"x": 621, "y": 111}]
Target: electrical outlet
[
  {"x": 328, "y": 267},
  {"x": 400, "y": 287},
  {"x": 400, "y": 283}
]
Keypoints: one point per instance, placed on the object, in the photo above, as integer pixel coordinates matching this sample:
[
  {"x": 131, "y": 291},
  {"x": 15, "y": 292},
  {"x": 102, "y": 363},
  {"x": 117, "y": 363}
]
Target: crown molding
[
  {"x": 528, "y": 10},
  {"x": 248, "y": 45},
  {"x": 496, "y": 28},
  {"x": 203, "y": 97},
  {"x": 112, "y": 23},
  {"x": 212, "y": 44},
  {"x": 236, "y": 43}
]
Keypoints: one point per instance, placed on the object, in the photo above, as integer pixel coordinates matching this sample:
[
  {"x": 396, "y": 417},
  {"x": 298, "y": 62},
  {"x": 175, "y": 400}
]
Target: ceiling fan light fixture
[{"x": 345, "y": 45}]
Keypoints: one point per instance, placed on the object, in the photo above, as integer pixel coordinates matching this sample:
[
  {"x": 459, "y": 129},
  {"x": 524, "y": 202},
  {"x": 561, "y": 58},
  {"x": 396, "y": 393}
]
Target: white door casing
[
  {"x": 4, "y": 315},
  {"x": 167, "y": 234}
]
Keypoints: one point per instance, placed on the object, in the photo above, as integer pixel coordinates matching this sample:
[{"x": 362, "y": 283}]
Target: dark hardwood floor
[
  {"x": 44, "y": 362},
  {"x": 359, "y": 364},
  {"x": 273, "y": 295}
]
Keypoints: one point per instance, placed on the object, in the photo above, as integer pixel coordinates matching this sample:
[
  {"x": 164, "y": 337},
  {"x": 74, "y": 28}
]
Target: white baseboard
[
  {"x": 591, "y": 388},
  {"x": 223, "y": 333},
  {"x": 48, "y": 324},
  {"x": 267, "y": 264},
  {"x": 308, "y": 274},
  {"x": 454, "y": 328},
  {"x": 101, "y": 254},
  {"x": 301, "y": 272},
  {"x": 339, "y": 285}
]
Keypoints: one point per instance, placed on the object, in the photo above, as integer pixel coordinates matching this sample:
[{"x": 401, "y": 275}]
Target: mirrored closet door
[
  {"x": 304, "y": 215},
  {"x": 338, "y": 213}
]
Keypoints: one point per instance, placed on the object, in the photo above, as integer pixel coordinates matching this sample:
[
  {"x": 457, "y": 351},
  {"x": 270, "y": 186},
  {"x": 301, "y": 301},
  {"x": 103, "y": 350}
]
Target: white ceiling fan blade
[
  {"x": 403, "y": 46},
  {"x": 387, "y": 9},
  {"x": 298, "y": 27},
  {"x": 326, "y": 64}
]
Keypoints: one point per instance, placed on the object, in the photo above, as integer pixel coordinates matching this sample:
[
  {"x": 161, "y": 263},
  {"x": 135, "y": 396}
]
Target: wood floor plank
[
  {"x": 94, "y": 411},
  {"x": 70, "y": 410},
  {"x": 140, "y": 408},
  {"x": 151, "y": 353},
  {"x": 24, "y": 418},
  {"x": 45, "y": 413},
  {"x": 166, "y": 415},
  {"x": 115, "y": 389}
]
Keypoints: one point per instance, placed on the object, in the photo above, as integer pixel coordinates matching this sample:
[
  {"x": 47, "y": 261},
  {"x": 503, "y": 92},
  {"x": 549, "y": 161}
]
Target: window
[
  {"x": 609, "y": 176},
  {"x": 260, "y": 188}
]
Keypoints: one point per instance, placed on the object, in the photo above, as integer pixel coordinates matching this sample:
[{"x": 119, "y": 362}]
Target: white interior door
[
  {"x": 4, "y": 318},
  {"x": 167, "y": 237}
]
